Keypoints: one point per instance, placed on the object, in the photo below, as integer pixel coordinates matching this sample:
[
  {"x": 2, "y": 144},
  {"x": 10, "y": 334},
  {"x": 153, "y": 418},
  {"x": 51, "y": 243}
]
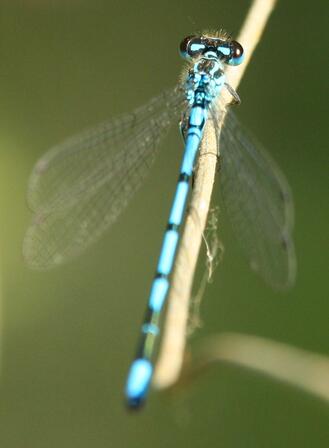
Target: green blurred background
[{"x": 68, "y": 335}]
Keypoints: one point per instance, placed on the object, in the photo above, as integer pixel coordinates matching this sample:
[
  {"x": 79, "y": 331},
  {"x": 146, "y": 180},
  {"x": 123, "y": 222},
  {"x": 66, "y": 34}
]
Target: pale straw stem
[
  {"x": 306, "y": 370},
  {"x": 172, "y": 350}
]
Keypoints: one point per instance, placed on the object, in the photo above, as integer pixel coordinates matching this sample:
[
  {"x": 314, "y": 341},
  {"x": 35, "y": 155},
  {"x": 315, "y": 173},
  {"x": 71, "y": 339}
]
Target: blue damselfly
[{"x": 80, "y": 187}]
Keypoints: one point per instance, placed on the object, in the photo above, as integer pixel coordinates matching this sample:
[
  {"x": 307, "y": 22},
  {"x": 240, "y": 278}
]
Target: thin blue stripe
[
  {"x": 177, "y": 209},
  {"x": 158, "y": 294},
  {"x": 150, "y": 328},
  {"x": 168, "y": 252},
  {"x": 192, "y": 144},
  {"x": 197, "y": 116}
]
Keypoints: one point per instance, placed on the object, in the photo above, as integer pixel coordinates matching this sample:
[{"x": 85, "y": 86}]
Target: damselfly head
[{"x": 228, "y": 51}]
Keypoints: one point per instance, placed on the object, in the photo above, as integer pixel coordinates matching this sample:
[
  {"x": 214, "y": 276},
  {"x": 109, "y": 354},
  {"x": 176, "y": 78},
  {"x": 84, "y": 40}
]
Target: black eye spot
[
  {"x": 236, "y": 55},
  {"x": 236, "y": 50},
  {"x": 184, "y": 45}
]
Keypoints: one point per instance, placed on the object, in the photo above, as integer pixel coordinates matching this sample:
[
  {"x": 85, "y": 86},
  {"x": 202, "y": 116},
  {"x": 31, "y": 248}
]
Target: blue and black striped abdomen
[{"x": 141, "y": 371}]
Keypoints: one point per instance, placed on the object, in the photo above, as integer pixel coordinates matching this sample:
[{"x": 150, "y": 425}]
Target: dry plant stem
[
  {"x": 170, "y": 360},
  {"x": 1, "y": 325},
  {"x": 308, "y": 371}
]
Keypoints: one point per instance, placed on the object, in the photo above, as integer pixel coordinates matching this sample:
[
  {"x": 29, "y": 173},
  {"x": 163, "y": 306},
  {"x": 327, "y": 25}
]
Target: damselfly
[{"x": 80, "y": 187}]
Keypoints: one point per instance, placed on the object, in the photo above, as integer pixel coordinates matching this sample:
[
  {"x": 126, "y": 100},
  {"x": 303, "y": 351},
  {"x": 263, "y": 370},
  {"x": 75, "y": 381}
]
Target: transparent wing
[
  {"x": 79, "y": 188},
  {"x": 259, "y": 204}
]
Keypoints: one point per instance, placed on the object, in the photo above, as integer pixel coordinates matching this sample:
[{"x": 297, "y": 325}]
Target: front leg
[
  {"x": 233, "y": 93},
  {"x": 183, "y": 126}
]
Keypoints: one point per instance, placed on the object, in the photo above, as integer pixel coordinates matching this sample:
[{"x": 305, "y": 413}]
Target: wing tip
[{"x": 284, "y": 282}]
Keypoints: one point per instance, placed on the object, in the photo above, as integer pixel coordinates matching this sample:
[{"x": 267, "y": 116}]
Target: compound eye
[
  {"x": 191, "y": 47},
  {"x": 236, "y": 56},
  {"x": 184, "y": 46}
]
